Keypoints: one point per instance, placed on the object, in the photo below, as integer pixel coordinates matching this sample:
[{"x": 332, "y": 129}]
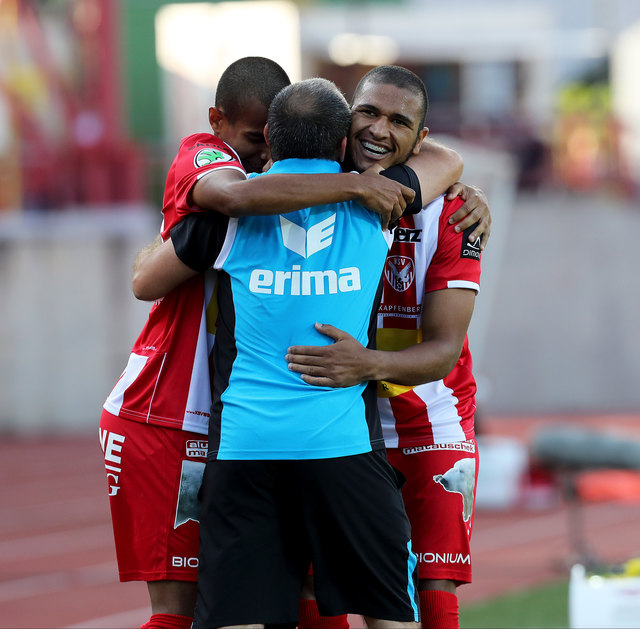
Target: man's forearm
[
  {"x": 145, "y": 252},
  {"x": 424, "y": 362},
  {"x": 278, "y": 193},
  {"x": 347, "y": 362},
  {"x": 158, "y": 272},
  {"x": 437, "y": 167}
]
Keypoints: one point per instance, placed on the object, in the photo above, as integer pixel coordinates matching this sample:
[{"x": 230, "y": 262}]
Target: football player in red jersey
[{"x": 422, "y": 364}]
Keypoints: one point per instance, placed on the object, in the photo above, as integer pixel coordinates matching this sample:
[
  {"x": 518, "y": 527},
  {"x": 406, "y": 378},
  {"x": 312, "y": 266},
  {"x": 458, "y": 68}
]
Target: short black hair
[
  {"x": 402, "y": 78},
  {"x": 308, "y": 120},
  {"x": 247, "y": 79}
]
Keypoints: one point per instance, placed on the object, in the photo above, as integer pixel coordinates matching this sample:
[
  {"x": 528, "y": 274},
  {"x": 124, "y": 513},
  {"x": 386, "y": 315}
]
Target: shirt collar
[{"x": 305, "y": 166}]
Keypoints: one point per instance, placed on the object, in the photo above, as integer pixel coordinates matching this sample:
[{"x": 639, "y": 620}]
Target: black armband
[
  {"x": 198, "y": 237},
  {"x": 407, "y": 177}
]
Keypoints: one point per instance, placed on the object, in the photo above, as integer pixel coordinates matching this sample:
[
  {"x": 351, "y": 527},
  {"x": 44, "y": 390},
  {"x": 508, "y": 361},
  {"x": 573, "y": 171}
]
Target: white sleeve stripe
[
  {"x": 463, "y": 284},
  {"x": 214, "y": 170}
]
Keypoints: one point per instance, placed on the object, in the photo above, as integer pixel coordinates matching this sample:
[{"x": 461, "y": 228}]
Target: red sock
[
  {"x": 310, "y": 617},
  {"x": 168, "y": 621},
  {"x": 439, "y": 610}
]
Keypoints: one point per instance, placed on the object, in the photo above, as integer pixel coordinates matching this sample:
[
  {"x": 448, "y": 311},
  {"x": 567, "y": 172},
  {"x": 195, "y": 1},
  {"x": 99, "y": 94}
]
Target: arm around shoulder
[
  {"x": 437, "y": 168},
  {"x": 158, "y": 272},
  {"x": 230, "y": 194},
  {"x": 445, "y": 319}
]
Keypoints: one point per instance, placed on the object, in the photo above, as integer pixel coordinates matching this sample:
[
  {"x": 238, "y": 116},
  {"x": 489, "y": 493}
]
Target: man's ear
[
  {"x": 217, "y": 119},
  {"x": 421, "y": 136},
  {"x": 342, "y": 150},
  {"x": 266, "y": 134}
]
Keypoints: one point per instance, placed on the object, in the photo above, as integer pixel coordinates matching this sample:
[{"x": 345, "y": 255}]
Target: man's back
[{"x": 281, "y": 275}]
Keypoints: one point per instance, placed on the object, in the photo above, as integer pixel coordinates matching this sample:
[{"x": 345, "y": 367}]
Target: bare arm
[
  {"x": 445, "y": 319},
  {"x": 437, "y": 168},
  {"x": 158, "y": 271},
  {"x": 146, "y": 251},
  {"x": 229, "y": 193},
  {"x": 446, "y": 316}
]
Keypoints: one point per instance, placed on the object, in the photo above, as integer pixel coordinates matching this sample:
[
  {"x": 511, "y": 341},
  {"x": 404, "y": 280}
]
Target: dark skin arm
[
  {"x": 158, "y": 270},
  {"x": 237, "y": 195},
  {"x": 445, "y": 319},
  {"x": 438, "y": 168},
  {"x": 228, "y": 192}
]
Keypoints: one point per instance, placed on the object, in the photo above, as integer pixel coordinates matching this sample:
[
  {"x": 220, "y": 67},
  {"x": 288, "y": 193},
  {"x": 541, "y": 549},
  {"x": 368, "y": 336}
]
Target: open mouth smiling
[{"x": 374, "y": 149}]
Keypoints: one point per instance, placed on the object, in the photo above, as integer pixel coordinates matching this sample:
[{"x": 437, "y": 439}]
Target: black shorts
[{"x": 263, "y": 522}]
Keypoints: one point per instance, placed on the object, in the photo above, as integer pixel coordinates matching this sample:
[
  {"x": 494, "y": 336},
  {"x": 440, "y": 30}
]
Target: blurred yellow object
[{"x": 632, "y": 567}]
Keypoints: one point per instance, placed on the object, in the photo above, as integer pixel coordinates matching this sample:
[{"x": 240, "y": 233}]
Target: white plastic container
[
  {"x": 503, "y": 462},
  {"x": 603, "y": 602}
]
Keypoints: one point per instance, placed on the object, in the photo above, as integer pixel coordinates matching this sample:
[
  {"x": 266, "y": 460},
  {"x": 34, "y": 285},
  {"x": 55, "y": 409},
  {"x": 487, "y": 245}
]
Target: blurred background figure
[{"x": 541, "y": 99}]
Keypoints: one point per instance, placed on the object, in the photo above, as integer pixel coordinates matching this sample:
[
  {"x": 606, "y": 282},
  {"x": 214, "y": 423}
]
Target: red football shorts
[
  {"x": 439, "y": 498},
  {"x": 153, "y": 478}
]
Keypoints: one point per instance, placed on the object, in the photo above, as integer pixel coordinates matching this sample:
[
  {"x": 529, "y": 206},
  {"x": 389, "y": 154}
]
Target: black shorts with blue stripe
[{"x": 264, "y": 522}]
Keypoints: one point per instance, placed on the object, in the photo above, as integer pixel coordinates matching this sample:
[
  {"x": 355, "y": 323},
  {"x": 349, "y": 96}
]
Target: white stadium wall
[{"x": 68, "y": 315}]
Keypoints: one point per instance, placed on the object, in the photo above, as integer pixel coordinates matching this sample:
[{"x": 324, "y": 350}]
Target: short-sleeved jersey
[
  {"x": 278, "y": 276},
  {"x": 427, "y": 255},
  {"x": 167, "y": 378},
  {"x": 198, "y": 155}
]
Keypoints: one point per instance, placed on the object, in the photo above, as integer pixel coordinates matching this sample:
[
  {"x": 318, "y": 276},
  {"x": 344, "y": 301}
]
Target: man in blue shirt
[{"x": 297, "y": 473}]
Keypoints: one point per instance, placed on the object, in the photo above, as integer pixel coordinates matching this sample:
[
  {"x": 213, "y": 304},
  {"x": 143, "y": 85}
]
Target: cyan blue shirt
[{"x": 280, "y": 275}]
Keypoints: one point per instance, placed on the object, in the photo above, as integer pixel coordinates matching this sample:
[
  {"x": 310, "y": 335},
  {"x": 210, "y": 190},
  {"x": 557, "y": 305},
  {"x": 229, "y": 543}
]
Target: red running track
[{"x": 57, "y": 563}]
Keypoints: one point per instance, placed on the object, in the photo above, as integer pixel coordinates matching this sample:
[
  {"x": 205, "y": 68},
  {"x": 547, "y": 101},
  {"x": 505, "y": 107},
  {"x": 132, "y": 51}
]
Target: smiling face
[{"x": 386, "y": 125}]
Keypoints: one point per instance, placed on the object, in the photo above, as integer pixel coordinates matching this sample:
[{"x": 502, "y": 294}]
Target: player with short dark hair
[
  {"x": 402, "y": 78},
  {"x": 262, "y": 76}
]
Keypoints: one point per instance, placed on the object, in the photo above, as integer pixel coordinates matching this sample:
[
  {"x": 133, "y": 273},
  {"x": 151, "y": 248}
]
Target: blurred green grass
[{"x": 546, "y": 606}]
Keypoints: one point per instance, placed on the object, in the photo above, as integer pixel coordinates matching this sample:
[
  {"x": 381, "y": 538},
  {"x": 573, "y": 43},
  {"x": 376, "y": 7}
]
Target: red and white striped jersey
[
  {"x": 167, "y": 380},
  {"x": 427, "y": 255}
]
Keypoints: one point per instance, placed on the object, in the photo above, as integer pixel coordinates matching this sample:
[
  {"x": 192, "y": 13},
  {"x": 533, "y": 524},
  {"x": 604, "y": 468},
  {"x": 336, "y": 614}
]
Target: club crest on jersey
[
  {"x": 399, "y": 272},
  {"x": 205, "y": 157}
]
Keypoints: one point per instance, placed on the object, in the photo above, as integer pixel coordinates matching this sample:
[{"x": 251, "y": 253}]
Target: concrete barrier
[{"x": 68, "y": 317}]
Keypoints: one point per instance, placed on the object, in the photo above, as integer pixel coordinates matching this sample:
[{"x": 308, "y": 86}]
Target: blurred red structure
[{"x": 65, "y": 97}]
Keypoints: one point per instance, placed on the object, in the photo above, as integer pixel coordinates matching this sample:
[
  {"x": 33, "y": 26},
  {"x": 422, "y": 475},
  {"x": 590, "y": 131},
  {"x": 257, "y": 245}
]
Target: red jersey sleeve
[
  {"x": 198, "y": 155},
  {"x": 456, "y": 261}
]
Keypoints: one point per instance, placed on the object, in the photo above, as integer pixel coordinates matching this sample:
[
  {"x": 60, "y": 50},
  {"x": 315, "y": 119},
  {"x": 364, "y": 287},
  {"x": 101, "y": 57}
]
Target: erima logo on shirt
[
  {"x": 205, "y": 157},
  {"x": 297, "y": 282},
  {"x": 306, "y": 242}
]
